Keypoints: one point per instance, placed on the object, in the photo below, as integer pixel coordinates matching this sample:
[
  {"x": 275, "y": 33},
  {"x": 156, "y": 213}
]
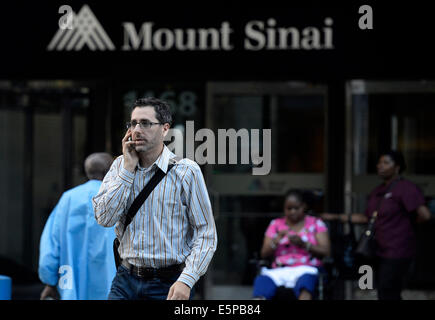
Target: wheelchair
[{"x": 328, "y": 275}]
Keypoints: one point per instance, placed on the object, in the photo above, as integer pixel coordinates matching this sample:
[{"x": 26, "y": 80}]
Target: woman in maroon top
[{"x": 402, "y": 203}]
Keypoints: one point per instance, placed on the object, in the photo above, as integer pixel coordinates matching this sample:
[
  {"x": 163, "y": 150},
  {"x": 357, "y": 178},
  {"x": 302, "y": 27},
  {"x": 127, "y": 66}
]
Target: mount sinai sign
[{"x": 83, "y": 29}]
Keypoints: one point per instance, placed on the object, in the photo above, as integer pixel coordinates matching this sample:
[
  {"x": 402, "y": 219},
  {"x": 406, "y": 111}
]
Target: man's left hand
[{"x": 179, "y": 291}]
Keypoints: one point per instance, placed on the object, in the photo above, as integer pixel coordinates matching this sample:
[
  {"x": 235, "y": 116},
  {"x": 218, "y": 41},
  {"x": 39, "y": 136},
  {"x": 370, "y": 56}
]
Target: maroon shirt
[{"x": 395, "y": 237}]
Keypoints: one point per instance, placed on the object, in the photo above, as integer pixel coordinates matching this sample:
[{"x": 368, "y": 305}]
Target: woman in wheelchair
[{"x": 296, "y": 243}]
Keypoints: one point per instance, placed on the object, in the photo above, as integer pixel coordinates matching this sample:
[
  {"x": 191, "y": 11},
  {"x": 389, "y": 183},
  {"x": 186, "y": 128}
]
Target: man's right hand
[
  {"x": 49, "y": 292},
  {"x": 131, "y": 158}
]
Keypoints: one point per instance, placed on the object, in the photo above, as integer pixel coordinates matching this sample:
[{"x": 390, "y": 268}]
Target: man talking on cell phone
[{"x": 162, "y": 211}]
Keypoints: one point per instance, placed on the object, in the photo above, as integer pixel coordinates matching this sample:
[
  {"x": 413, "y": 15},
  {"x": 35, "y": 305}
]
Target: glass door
[
  {"x": 392, "y": 115},
  {"x": 43, "y": 141},
  {"x": 293, "y": 156}
]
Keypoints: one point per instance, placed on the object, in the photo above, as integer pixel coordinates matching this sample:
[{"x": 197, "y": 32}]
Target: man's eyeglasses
[{"x": 144, "y": 124}]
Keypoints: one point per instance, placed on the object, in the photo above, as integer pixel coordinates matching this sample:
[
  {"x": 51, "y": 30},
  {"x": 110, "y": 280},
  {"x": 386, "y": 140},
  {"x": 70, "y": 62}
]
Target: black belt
[{"x": 143, "y": 272}]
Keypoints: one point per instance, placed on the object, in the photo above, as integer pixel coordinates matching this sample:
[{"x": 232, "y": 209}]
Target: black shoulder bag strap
[
  {"x": 137, "y": 203},
  {"x": 366, "y": 243}
]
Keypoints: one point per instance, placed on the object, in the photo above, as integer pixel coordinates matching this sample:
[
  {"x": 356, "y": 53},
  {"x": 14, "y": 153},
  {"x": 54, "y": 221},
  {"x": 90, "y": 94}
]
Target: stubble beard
[
  {"x": 145, "y": 148},
  {"x": 142, "y": 148}
]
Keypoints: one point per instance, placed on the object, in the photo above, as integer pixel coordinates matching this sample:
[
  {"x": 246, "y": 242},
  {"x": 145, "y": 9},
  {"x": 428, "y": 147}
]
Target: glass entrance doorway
[
  {"x": 393, "y": 115},
  {"x": 244, "y": 203},
  {"x": 43, "y": 140}
]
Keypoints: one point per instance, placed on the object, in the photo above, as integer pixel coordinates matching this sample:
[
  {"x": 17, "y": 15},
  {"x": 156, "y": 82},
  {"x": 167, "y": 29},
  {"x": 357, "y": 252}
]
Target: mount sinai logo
[
  {"x": 86, "y": 30},
  {"x": 83, "y": 29}
]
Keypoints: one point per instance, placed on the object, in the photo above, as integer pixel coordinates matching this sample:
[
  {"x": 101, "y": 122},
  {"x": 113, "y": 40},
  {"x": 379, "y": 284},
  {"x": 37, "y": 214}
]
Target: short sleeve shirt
[
  {"x": 287, "y": 254},
  {"x": 395, "y": 237}
]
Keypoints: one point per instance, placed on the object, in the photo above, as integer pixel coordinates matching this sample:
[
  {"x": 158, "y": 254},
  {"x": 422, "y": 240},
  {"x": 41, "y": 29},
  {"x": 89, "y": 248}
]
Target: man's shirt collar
[{"x": 162, "y": 161}]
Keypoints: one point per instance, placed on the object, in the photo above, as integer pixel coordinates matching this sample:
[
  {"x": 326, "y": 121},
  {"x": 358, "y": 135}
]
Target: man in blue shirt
[{"x": 76, "y": 257}]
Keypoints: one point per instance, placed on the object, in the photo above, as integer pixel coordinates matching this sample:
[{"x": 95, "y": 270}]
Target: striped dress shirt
[{"x": 174, "y": 225}]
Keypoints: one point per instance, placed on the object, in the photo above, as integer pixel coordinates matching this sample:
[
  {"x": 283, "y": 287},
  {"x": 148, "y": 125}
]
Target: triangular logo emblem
[{"x": 86, "y": 30}]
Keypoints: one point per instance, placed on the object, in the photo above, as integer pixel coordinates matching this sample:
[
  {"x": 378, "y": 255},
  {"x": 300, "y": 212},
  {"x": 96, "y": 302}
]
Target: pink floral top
[{"x": 287, "y": 254}]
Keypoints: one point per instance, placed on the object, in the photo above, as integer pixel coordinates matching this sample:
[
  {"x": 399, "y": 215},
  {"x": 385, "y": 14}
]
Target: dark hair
[
  {"x": 162, "y": 108},
  {"x": 97, "y": 165},
  {"x": 297, "y": 193},
  {"x": 397, "y": 157}
]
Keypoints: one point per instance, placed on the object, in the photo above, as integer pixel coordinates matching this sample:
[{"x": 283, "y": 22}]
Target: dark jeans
[
  {"x": 390, "y": 275},
  {"x": 126, "y": 286}
]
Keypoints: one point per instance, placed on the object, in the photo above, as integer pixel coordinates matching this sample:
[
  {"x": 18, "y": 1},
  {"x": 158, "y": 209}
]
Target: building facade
[{"x": 332, "y": 91}]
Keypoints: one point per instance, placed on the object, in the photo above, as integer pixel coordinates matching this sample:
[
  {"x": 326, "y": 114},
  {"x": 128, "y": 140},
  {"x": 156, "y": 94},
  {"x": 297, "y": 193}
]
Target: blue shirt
[{"x": 75, "y": 252}]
